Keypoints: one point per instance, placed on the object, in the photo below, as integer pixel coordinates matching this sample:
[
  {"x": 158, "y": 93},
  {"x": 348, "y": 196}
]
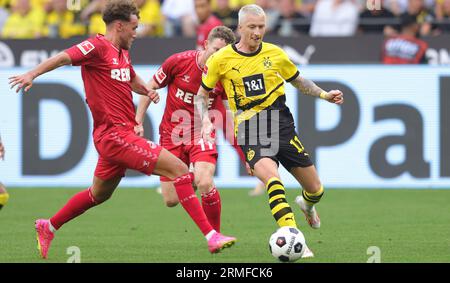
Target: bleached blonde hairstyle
[{"x": 249, "y": 9}]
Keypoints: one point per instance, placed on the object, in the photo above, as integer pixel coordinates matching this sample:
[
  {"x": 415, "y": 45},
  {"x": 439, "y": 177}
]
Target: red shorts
[
  {"x": 120, "y": 149},
  {"x": 190, "y": 153}
]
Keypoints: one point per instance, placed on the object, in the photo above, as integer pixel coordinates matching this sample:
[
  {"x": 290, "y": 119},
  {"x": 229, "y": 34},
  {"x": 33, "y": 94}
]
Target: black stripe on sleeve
[
  {"x": 205, "y": 87},
  {"x": 293, "y": 77}
]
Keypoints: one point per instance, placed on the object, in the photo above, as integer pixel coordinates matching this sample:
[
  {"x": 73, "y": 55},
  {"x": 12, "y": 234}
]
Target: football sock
[
  {"x": 76, "y": 206},
  {"x": 313, "y": 198},
  {"x": 190, "y": 202},
  {"x": 209, "y": 235},
  {"x": 279, "y": 206},
  {"x": 3, "y": 199},
  {"x": 50, "y": 226},
  {"x": 212, "y": 206}
]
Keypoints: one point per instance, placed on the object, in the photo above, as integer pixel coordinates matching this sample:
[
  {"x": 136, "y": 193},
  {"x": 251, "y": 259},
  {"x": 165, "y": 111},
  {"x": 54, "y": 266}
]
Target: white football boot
[
  {"x": 307, "y": 253},
  {"x": 310, "y": 212}
]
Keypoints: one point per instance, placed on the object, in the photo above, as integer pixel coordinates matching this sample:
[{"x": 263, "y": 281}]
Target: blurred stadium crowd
[{"x": 28, "y": 19}]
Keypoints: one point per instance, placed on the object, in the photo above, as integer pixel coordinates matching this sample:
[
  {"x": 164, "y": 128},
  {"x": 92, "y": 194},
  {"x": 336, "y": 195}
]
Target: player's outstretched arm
[
  {"x": 308, "y": 87},
  {"x": 25, "y": 81},
  {"x": 201, "y": 107}
]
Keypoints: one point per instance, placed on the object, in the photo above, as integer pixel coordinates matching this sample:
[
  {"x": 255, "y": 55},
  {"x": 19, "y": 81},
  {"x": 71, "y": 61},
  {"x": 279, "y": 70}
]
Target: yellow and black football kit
[{"x": 254, "y": 84}]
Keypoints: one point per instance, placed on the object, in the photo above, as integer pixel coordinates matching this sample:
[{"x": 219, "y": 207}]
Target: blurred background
[
  {"x": 34, "y": 19},
  {"x": 390, "y": 57}
]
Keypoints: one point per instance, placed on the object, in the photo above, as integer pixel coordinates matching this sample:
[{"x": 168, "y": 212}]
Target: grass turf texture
[{"x": 135, "y": 226}]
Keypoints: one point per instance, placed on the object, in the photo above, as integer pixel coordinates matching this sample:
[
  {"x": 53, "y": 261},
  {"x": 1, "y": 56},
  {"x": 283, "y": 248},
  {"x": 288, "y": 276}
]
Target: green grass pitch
[{"x": 135, "y": 226}]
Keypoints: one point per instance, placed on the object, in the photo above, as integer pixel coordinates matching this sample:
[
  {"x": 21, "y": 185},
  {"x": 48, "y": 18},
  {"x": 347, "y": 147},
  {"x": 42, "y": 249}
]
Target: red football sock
[
  {"x": 77, "y": 205},
  {"x": 212, "y": 207},
  {"x": 190, "y": 202}
]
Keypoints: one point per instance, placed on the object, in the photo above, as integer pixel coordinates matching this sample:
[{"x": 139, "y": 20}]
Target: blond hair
[{"x": 249, "y": 9}]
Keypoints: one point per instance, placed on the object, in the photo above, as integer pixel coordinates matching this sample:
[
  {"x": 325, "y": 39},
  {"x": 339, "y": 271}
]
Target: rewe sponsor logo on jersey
[
  {"x": 122, "y": 74},
  {"x": 189, "y": 97},
  {"x": 85, "y": 47}
]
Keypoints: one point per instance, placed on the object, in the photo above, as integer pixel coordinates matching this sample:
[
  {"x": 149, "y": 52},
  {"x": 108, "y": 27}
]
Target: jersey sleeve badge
[
  {"x": 160, "y": 76},
  {"x": 85, "y": 47}
]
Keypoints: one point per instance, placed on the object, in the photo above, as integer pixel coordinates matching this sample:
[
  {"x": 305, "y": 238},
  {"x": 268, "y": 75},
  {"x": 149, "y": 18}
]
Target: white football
[{"x": 287, "y": 244}]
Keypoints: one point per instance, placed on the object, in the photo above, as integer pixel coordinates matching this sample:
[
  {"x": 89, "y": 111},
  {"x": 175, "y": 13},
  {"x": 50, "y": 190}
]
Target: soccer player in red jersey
[
  {"x": 182, "y": 73},
  {"x": 109, "y": 80},
  {"x": 207, "y": 21}
]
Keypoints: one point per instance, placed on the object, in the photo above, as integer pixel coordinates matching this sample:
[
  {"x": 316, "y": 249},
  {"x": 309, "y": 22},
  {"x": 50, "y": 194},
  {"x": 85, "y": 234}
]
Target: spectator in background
[
  {"x": 438, "y": 9},
  {"x": 307, "y": 7},
  {"x": 335, "y": 18},
  {"x": 92, "y": 15},
  {"x": 378, "y": 20},
  {"x": 405, "y": 48},
  {"x": 443, "y": 16},
  {"x": 206, "y": 21},
  {"x": 178, "y": 17},
  {"x": 270, "y": 7},
  {"x": 423, "y": 16},
  {"x": 150, "y": 22},
  {"x": 4, "y": 12},
  {"x": 226, "y": 14},
  {"x": 39, "y": 4},
  {"x": 24, "y": 22},
  {"x": 61, "y": 22},
  {"x": 398, "y": 7},
  {"x": 236, "y": 4},
  {"x": 290, "y": 22}
]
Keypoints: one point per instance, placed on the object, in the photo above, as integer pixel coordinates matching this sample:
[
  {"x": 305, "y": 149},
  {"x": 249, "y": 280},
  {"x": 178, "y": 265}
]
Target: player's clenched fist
[
  {"x": 153, "y": 95},
  {"x": 335, "y": 96},
  {"x": 139, "y": 130}
]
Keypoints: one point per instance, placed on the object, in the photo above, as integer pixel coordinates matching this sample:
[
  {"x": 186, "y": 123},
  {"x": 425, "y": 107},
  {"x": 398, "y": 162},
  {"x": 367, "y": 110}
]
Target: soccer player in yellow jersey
[{"x": 253, "y": 74}]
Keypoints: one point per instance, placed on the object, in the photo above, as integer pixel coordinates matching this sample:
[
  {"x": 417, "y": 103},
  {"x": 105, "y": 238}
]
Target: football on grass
[{"x": 287, "y": 244}]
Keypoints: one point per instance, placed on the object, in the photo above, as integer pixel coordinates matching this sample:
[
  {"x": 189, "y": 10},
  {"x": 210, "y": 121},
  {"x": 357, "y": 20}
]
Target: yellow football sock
[
  {"x": 313, "y": 198},
  {"x": 279, "y": 206}
]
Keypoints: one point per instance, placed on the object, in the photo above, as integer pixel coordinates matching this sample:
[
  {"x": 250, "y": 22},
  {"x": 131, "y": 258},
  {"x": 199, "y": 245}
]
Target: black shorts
[{"x": 287, "y": 150}]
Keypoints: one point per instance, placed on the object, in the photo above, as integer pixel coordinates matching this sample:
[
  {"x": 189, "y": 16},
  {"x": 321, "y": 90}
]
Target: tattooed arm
[
  {"x": 201, "y": 107},
  {"x": 308, "y": 87}
]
